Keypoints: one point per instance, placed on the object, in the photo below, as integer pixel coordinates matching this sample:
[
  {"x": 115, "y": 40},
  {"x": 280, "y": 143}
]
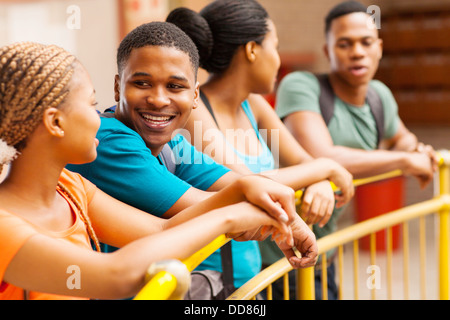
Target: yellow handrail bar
[
  {"x": 161, "y": 287},
  {"x": 163, "y": 284},
  {"x": 359, "y": 182},
  {"x": 261, "y": 280},
  {"x": 165, "y": 280},
  {"x": 194, "y": 260},
  {"x": 375, "y": 224}
]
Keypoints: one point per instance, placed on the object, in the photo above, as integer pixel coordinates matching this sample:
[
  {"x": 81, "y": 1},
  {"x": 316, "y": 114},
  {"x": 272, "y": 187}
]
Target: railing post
[
  {"x": 444, "y": 189},
  {"x": 305, "y": 278},
  {"x": 305, "y": 284}
]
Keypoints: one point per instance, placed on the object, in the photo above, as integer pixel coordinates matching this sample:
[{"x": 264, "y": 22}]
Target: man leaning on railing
[{"x": 337, "y": 115}]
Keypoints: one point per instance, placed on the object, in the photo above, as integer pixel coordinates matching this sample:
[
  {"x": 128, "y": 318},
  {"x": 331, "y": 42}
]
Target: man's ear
[
  {"x": 380, "y": 41},
  {"x": 116, "y": 88},
  {"x": 251, "y": 49},
  {"x": 325, "y": 51},
  {"x": 54, "y": 122}
]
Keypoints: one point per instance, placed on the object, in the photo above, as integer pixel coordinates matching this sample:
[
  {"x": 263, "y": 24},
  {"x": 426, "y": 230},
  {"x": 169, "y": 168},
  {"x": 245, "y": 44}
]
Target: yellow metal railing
[
  {"x": 444, "y": 191},
  {"x": 166, "y": 280},
  {"x": 358, "y": 182},
  {"x": 162, "y": 285},
  {"x": 162, "y": 282},
  {"x": 350, "y": 235},
  {"x": 337, "y": 240}
]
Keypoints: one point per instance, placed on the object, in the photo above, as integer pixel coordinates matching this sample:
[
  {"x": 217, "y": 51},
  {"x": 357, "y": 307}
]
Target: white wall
[{"x": 87, "y": 28}]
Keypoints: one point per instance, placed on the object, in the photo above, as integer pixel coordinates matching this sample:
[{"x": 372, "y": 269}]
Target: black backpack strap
[
  {"x": 326, "y": 102},
  {"x": 225, "y": 250},
  {"x": 107, "y": 115},
  {"x": 208, "y": 106},
  {"x": 326, "y": 97},
  {"x": 167, "y": 158},
  {"x": 227, "y": 268},
  {"x": 376, "y": 107}
]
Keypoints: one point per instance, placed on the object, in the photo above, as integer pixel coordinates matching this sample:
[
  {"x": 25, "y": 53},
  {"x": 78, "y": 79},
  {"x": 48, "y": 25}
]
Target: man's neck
[
  {"x": 155, "y": 150},
  {"x": 354, "y": 95}
]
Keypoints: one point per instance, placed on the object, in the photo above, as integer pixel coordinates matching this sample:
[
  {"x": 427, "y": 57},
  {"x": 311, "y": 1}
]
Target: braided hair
[{"x": 33, "y": 77}]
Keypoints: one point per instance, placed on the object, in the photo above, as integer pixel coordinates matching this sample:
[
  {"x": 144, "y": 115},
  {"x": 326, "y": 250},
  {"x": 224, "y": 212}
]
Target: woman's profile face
[
  {"x": 83, "y": 120},
  {"x": 268, "y": 62}
]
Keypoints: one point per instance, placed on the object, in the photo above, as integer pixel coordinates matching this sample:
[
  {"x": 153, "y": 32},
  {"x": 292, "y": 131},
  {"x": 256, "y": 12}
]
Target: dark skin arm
[{"x": 361, "y": 163}]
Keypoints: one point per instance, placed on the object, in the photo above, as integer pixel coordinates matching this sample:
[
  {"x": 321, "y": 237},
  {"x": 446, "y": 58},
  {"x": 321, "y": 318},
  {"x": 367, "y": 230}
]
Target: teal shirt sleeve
[
  {"x": 194, "y": 167},
  {"x": 298, "y": 91},
  {"x": 391, "y": 117},
  {"x": 126, "y": 170}
]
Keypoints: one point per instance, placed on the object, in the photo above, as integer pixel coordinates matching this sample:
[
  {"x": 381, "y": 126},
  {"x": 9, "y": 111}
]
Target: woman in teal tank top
[
  {"x": 237, "y": 43},
  {"x": 247, "y": 251}
]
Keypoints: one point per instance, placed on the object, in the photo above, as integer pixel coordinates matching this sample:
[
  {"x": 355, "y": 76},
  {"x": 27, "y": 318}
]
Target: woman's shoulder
[
  {"x": 79, "y": 186},
  {"x": 259, "y": 106},
  {"x": 258, "y": 102}
]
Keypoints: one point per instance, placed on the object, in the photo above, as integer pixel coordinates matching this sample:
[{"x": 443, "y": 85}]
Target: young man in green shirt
[
  {"x": 351, "y": 138},
  {"x": 353, "y": 50}
]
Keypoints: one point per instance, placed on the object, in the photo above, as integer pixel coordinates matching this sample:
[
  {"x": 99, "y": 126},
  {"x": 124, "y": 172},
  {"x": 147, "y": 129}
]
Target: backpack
[{"x": 326, "y": 102}]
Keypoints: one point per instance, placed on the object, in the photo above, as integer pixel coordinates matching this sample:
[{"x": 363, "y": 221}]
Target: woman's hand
[
  {"x": 247, "y": 222},
  {"x": 343, "y": 180},
  {"x": 276, "y": 199},
  {"x": 317, "y": 203},
  {"x": 304, "y": 242}
]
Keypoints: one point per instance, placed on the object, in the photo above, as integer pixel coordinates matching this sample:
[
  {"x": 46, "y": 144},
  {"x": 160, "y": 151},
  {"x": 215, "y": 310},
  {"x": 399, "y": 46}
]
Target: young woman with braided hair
[{"x": 48, "y": 214}]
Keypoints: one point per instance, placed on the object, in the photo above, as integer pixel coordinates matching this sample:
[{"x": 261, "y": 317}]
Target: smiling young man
[
  {"x": 156, "y": 88},
  {"x": 162, "y": 78},
  {"x": 350, "y": 134}
]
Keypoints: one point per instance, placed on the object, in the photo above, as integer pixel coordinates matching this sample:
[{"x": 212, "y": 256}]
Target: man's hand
[
  {"x": 429, "y": 150},
  {"x": 343, "y": 179},
  {"x": 420, "y": 166}
]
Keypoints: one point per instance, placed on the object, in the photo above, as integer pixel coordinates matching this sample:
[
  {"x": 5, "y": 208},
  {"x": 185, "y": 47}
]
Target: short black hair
[
  {"x": 156, "y": 33},
  {"x": 342, "y": 9}
]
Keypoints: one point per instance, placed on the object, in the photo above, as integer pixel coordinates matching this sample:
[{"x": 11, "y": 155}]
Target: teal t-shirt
[
  {"x": 126, "y": 169},
  {"x": 246, "y": 255},
  {"x": 350, "y": 126}
]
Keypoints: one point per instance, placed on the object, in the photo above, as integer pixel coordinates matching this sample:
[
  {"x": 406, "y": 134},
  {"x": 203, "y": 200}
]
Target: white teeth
[{"x": 155, "y": 118}]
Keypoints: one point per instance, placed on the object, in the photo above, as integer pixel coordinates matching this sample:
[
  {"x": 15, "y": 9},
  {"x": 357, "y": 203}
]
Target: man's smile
[{"x": 156, "y": 121}]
